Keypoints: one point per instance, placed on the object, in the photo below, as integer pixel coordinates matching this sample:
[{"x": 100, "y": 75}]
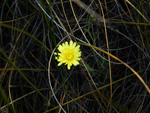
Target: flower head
[{"x": 69, "y": 54}]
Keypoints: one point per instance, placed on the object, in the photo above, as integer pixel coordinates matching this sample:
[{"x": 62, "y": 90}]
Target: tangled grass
[{"x": 113, "y": 74}]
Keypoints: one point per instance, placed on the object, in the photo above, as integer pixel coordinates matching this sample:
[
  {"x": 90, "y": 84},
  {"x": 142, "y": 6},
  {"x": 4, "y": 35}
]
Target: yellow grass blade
[
  {"x": 137, "y": 10},
  {"x": 139, "y": 77}
]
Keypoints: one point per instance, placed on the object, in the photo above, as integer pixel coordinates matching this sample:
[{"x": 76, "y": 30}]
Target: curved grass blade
[
  {"x": 26, "y": 33},
  {"x": 20, "y": 72},
  {"x": 89, "y": 93},
  {"x": 139, "y": 77}
]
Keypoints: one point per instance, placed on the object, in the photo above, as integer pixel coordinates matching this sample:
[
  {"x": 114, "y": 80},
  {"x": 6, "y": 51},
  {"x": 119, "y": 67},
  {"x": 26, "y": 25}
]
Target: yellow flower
[{"x": 69, "y": 54}]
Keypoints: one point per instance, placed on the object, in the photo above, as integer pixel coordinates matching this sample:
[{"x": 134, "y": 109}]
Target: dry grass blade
[
  {"x": 86, "y": 94},
  {"x": 106, "y": 36},
  {"x": 114, "y": 42},
  {"x": 137, "y": 10},
  {"x": 138, "y": 76},
  {"x": 89, "y": 10}
]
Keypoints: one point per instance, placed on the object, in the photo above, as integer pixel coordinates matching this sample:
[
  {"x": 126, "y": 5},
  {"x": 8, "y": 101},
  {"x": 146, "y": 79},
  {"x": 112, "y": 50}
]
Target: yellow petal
[
  {"x": 68, "y": 66},
  {"x": 71, "y": 43},
  {"x": 69, "y": 54},
  {"x": 60, "y": 48},
  {"x": 60, "y": 63},
  {"x": 75, "y": 63}
]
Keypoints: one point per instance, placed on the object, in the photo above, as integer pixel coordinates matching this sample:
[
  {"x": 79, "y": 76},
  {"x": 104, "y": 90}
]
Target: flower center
[{"x": 69, "y": 56}]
